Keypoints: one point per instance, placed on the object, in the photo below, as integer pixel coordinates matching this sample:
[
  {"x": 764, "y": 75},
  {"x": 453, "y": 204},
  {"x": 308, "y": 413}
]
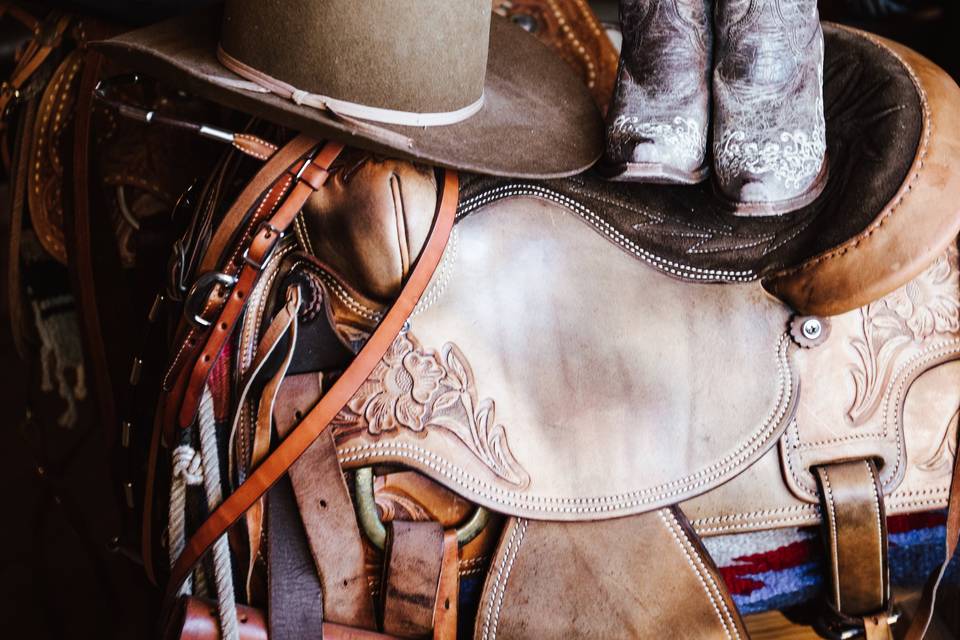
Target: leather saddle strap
[
  {"x": 295, "y": 596},
  {"x": 315, "y": 423},
  {"x": 310, "y": 178},
  {"x": 257, "y": 190},
  {"x": 411, "y": 577},
  {"x": 283, "y": 325},
  {"x": 328, "y": 515},
  {"x": 448, "y": 589},
  {"x": 855, "y": 526}
]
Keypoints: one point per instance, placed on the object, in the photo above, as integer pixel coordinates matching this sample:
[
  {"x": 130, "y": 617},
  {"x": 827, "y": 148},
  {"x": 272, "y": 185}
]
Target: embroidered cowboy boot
[
  {"x": 657, "y": 123},
  {"x": 769, "y": 138}
]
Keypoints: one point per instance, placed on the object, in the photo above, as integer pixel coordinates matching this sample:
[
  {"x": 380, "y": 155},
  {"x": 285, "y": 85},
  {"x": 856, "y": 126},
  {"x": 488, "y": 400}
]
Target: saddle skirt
[{"x": 549, "y": 375}]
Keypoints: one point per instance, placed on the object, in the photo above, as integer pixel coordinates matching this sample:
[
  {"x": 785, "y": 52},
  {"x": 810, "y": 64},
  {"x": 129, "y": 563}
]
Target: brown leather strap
[
  {"x": 314, "y": 423},
  {"x": 265, "y": 180},
  {"x": 411, "y": 576},
  {"x": 856, "y": 539},
  {"x": 448, "y": 590},
  {"x": 284, "y": 324},
  {"x": 310, "y": 178}
]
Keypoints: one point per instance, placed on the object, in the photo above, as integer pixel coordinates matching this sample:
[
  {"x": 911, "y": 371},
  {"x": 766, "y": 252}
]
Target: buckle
[
  {"x": 270, "y": 230},
  {"x": 200, "y": 293},
  {"x": 369, "y": 516}
]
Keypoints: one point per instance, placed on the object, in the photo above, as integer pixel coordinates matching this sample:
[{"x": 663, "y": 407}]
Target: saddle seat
[{"x": 589, "y": 350}]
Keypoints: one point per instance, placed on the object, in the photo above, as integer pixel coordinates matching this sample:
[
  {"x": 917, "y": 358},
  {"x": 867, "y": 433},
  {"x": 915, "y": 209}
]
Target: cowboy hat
[{"x": 441, "y": 81}]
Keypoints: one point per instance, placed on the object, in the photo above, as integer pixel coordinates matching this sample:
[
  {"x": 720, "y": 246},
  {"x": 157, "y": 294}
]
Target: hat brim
[{"x": 537, "y": 121}]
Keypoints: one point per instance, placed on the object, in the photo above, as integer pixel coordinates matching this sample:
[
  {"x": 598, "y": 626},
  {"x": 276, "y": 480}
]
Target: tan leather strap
[
  {"x": 448, "y": 589},
  {"x": 309, "y": 178},
  {"x": 258, "y": 200},
  {"x": 319, "y": 418},
  {"x": 855, "y": 527},
  {"x": 283, "y": 324},
  {"x": 411, "y": 575}
]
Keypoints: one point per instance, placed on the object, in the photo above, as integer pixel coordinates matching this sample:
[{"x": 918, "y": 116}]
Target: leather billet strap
[
  {"x": 318, "y": 419},
  {"x": 310, "y": 177},
  {"x": 262, "y": 193},
  {"x": 411, "y": 575},
  {"x": 855, "y": 528}
]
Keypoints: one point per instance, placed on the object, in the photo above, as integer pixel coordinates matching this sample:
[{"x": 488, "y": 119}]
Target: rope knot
[{"x": 187, "y": 465}]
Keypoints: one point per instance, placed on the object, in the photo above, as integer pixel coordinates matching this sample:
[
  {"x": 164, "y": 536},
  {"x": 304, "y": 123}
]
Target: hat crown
[{"x": 403, "y": 56}]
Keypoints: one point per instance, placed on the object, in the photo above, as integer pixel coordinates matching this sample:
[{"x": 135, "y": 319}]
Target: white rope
[
  {"x": 186, "y": 471},
  {"x": 222, "y": 568}
]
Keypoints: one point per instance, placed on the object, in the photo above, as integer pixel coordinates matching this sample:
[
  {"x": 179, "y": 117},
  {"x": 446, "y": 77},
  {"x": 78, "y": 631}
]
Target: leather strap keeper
[{"x": 856, "y": 541}]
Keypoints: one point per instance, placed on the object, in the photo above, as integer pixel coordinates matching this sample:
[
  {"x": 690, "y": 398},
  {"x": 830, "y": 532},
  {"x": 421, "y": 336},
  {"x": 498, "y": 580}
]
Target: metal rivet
[
  {"x": 525, "y": 22},
  {"x": 155, "y": 308},
  {"x": 812, "y": 328},
  {"x": 135, "y": 372},
  {"x": 128, "y": 493},
  {"x": 125, "y": 429}
]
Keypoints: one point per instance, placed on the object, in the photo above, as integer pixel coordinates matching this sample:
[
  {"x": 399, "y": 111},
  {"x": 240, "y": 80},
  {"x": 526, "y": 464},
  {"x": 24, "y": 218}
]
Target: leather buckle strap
[
  {"x": 200, "y": 293},
  {"x": 261, "y": 246},
  {"x": 315, "y": 423},
  {"x": 855, "y": 532},
  {"x": 266, "y": 230}
]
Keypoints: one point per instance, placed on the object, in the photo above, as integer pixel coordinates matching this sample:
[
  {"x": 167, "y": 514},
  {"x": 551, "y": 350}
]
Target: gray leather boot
[
  {"x": 769, "y": 140},
  {"x": 657, "y": 122}
]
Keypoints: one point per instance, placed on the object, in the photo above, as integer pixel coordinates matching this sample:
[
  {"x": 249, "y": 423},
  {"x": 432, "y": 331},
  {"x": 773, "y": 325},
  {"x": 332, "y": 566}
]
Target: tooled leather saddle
[{"x": 525, "y": 430}]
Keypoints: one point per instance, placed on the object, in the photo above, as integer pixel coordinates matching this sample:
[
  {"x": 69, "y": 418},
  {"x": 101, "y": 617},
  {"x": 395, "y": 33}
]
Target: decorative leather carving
[
  {"x": 415, "y": 388},
  {"x": 45, "y": 179},
  {"x": 881, "y": 349},
  {"x": 884, "y": 384}
]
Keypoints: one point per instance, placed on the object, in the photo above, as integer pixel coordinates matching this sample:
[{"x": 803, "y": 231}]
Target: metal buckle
[
  {"x": 270, "y": 229},
  {"x": 369, "y": 516},
  {"x": 200, "y": 293}
]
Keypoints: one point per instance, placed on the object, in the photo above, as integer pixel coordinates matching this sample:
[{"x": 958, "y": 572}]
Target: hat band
[{"x": 345, "y": 107}]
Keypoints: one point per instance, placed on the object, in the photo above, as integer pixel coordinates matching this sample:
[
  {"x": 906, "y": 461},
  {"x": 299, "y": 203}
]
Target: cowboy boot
[
  {"x": 657, "y": 122},
  {"x": 769, "y": 137}
]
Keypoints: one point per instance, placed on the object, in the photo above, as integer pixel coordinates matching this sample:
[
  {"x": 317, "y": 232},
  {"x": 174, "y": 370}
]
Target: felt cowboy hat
[{"x": 441, "y": 81}]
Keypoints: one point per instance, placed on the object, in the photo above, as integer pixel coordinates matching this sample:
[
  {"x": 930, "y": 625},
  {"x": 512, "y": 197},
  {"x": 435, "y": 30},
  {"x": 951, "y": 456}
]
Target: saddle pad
[{"x": 548, "y": 374}]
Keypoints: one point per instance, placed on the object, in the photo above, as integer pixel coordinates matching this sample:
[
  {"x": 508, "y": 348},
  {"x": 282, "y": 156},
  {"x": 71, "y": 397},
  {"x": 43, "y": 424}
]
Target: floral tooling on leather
[
  {"x": 919, "y": 314},
  {"x": 418, "y": 389}
]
